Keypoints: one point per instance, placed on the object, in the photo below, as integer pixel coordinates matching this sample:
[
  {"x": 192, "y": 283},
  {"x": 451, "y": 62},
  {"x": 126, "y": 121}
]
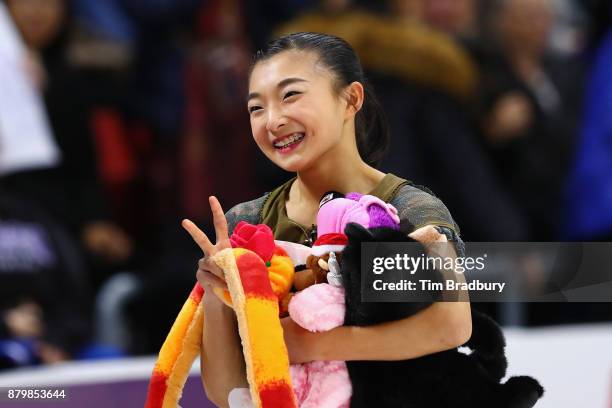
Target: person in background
[
  {"x": 529, "y": 108},
  {"x": 43, "y": 286},
  {"x": 70, "y": 190},
  {"x": 44, "y": 294}
]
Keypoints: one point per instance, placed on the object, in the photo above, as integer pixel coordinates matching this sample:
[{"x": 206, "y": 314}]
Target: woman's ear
[{"x": 355, "y": 95}]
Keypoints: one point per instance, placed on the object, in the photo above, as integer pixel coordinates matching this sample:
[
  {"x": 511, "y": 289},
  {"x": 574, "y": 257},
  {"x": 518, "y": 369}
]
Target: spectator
[
  {"x": 528, "y": 108},
  {"x": 69, "y": 191},
  {"x": 44, "y": 294},
  {"x": 21, "y": 110},
  {"x": 38, "y": 321}
]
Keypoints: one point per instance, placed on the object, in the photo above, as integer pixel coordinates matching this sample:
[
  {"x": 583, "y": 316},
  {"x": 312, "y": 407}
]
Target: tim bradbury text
[{"x": 426, "y": 284}]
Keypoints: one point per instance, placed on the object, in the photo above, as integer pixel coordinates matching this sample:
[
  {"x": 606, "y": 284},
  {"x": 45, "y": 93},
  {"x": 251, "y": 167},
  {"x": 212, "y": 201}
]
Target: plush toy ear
[{"x": 357, "y": 233}]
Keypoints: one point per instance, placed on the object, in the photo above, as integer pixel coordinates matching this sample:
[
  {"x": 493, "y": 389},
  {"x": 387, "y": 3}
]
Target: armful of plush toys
[{"x": 269, "y": 279}]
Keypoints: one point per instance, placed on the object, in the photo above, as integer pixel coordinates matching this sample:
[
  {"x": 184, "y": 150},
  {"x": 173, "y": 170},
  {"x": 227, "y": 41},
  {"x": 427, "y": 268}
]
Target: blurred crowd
[{"x": 118, "y": 118}]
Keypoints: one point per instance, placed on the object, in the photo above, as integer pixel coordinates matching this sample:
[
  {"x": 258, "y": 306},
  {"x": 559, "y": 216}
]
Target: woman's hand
[
  {"x": 209, "y": 275},
  {"x": 221, "y": 352}
]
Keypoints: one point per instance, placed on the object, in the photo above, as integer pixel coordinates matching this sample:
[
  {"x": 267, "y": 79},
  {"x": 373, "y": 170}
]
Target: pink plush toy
[{"x": 326, "y": 384}]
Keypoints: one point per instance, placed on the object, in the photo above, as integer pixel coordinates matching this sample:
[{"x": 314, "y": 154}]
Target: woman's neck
[
  {"x": 339, "y": 169},
  {"x": 341, "y": 172},
  {"x": 339, "y": 176}
]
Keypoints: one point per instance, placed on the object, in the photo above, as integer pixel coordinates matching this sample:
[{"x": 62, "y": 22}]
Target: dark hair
[{"x": 371, "y": 127}]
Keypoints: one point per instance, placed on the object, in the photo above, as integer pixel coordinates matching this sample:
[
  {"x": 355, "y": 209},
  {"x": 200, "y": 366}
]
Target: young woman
[{"x": 312, "y": 113}]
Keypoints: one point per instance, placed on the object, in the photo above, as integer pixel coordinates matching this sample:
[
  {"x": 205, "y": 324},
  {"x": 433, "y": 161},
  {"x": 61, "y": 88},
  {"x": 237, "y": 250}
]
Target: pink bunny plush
[
  {"x": 321, "y": 307},
  {"x": 320, "y": 384}
]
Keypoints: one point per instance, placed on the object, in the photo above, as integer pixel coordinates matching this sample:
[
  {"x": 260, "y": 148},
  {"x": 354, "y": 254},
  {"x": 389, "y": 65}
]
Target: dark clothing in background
[
  {"x": 153, "y": 30},
  {"x": 435, "y": 144},
  {"x": 70, "y": 192},
  {"x": 266, "y": 15},
  {"x": 533, "y": 165},
  {"x": 39, "y": 261}
]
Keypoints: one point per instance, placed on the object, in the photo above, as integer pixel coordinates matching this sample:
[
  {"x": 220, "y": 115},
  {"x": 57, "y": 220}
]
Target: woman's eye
[
  {"x": 290, "y": 94},
  {"x": 254, "y": 108}
]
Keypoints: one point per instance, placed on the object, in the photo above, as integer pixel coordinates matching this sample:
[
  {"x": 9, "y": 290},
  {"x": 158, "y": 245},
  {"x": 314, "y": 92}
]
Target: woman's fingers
[
  {"x": 207, "y": 265},
  {"x": 209, "y": 280},
  {"x": 220, "y": 230},
  {"x": 219, "y": 221},
  {"x": 198, "y": 236}
]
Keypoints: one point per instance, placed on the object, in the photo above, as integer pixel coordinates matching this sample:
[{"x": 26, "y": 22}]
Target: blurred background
[{"x": 118, "y": 118}]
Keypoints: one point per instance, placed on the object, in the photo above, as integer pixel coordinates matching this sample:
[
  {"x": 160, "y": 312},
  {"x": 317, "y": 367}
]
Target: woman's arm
[
  {"x": 442, "y": 326},
  {"x": 221, "y": 361}
]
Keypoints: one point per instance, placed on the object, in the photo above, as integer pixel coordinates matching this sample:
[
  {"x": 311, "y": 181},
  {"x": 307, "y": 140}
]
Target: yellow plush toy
[{"x": 259, "y": 275}]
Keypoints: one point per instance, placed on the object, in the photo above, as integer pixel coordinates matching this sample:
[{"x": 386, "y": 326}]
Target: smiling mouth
[{"x": 288, "y": 141}]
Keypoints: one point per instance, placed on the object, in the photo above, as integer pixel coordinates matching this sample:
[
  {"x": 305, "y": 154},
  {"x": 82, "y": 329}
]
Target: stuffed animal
[
  {"x": 258, "y": 278},
  {"x": 320, "y": 384},
  {"x": 446, "y": 379},
  {"x": 320, "y": 307},
  {"x": 315, "y": 269},
  {"x": 336, "y": 211}
]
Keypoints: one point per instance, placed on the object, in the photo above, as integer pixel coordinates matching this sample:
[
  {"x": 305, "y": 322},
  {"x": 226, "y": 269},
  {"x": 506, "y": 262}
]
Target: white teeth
[{"x": 289, "y": 140}]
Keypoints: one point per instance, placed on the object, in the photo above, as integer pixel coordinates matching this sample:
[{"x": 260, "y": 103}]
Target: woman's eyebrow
[
  {"x": 289, "y": 81},
  {"x": 281, "y": 84}
]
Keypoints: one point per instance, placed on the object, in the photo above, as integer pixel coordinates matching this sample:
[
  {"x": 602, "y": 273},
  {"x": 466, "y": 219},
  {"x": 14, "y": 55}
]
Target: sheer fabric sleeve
[
  {"x": 417, "y": 208},
  {"x": 249, "y": 211}
]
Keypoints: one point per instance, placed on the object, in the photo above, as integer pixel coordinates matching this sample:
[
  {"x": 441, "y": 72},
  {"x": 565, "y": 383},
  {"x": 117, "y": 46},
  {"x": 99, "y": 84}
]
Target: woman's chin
[
  {"x": 291, "y": 164},
  {"x": 290, "y": 168}
]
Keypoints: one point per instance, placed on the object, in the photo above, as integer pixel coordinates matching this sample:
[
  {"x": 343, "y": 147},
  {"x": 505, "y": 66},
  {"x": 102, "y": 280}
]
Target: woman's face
[
  {"x": 39, "y": 21},
  {"x": 296, "y": 115}
]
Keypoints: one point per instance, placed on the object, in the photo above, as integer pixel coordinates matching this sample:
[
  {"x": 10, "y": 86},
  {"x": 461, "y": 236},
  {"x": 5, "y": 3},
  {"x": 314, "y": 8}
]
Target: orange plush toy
[{"x": 259, "y": 275}]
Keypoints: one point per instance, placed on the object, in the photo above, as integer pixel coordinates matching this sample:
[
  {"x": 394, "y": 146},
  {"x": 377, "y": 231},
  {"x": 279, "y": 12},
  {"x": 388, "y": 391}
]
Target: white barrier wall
[{"x": 573, "y": 363}]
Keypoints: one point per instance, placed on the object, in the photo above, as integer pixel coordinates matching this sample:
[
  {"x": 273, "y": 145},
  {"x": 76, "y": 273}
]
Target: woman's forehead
[{"x": 287, "y": 64}]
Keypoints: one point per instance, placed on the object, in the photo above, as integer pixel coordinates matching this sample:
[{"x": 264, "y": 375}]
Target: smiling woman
[
  {"x": 313, "y": 113},
  {"x": 311, "y": 83}
]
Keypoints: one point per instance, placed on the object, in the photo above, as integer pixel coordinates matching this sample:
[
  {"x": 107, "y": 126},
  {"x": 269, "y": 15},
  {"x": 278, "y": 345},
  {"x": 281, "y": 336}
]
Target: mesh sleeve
[
  {"x": 249, "y": 211},
  {"x": 417, "y": 208}
]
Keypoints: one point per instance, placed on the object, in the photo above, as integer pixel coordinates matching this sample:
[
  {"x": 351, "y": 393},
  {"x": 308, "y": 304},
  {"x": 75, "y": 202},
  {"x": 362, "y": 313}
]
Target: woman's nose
[{"x": 276, "y": 120}]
